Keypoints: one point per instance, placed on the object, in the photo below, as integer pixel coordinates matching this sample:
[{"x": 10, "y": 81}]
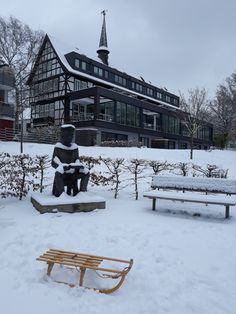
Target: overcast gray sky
[{"x": 177, "y": 44}]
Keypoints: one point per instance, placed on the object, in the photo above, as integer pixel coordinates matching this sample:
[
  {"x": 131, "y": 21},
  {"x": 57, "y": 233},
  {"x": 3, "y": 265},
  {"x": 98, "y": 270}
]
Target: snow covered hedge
[{"x": 21, "y": 173}]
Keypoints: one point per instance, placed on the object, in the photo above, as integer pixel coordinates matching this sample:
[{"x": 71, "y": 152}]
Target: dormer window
[
  {"x": 80, "y": 64},
  {"x": 98, "y": 71},
  {"x": 149, "y": 91}
]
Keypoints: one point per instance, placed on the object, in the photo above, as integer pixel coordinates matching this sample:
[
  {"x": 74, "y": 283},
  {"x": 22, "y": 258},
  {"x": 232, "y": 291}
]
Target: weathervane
[{"x": 104, "y": 12}]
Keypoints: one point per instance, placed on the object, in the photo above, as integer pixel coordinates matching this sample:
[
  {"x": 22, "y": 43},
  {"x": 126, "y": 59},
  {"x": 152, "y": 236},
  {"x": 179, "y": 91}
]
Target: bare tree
[
  {"x": 223, "y": 111},
  {"x": 114, "y": 166},
  {"x": 19, "y": 45},
  {"x": 194, "y": 112},
  {"x": 136, "y": 166}
]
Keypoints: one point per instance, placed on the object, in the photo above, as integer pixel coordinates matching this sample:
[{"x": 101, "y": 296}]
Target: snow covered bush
[
  {"x": 19, "y": 176},
  {"x": 136, "y": 166},
  {"x": 212, "y": 171},
  {"x": 42, "y": 163},
  {"x": 158, "y": 166},
  {"x": 90, "y": 162},
  {"x": 115, "y": 168},
  {"x": 21, "y": 173},
  {"x": 182, "y": 168}
]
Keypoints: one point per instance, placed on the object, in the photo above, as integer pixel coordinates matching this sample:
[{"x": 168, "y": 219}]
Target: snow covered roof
[
  {"x": 65, "y": 126},
  {"x": 63, "y": 49}
]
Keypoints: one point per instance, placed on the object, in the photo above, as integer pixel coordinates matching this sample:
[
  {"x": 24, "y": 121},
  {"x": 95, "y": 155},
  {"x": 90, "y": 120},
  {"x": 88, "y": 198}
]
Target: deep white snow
[{"x": 183, "y": 263}]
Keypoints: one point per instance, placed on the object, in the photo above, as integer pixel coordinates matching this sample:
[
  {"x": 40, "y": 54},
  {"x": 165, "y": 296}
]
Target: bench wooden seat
[
  {"x": 222, "y": 189},
  {"x": 85, "y": 261}
]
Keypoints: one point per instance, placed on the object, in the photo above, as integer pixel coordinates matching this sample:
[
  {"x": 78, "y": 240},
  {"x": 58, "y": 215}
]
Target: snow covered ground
[{"x": 182, "y": 263}]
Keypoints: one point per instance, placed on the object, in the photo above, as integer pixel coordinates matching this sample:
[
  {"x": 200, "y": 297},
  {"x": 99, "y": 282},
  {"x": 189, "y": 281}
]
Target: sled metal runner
[{"x": 84, "y": 261}]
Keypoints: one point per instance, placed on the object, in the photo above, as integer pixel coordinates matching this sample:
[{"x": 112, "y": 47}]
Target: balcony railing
[
  {"x": 6, "y": 110},
  {"x": 106, "y": 117},
  {"x": 86, "y": 116}
]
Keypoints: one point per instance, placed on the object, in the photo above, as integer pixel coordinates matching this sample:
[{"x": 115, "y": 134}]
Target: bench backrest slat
[{"x": 194, "y": 184}]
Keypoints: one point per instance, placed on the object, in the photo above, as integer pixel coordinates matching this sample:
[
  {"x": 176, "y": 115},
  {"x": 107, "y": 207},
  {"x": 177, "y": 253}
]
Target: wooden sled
[{"x": 83, "y": 262}]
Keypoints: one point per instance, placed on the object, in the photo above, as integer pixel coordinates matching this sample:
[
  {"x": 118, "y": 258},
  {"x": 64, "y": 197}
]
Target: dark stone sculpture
[{"x": 65, "y": 160}]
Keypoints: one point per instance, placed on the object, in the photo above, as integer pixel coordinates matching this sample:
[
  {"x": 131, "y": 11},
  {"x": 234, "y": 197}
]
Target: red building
[{"x": 7, "y": 82}]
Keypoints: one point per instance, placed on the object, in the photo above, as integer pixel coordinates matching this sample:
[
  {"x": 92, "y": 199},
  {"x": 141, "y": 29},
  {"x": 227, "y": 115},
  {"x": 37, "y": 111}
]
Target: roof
[{"x": 61, "y": 49}]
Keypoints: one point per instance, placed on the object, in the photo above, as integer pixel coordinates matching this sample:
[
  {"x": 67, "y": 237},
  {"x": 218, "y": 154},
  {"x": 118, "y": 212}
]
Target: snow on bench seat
[{"x": 195, "y": 185}]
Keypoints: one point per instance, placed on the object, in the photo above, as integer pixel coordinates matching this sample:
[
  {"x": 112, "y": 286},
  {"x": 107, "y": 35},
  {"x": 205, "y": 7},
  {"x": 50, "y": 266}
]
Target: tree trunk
[{"x": 191, "y": 147}]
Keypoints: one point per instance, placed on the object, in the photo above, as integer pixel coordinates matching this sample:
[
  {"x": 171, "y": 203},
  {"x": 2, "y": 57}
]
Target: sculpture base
[{"x": 82, "y": 202}]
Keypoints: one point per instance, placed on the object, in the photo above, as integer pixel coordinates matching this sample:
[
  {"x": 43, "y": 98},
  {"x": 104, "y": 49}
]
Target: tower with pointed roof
[{"x": 103, "y": 51}]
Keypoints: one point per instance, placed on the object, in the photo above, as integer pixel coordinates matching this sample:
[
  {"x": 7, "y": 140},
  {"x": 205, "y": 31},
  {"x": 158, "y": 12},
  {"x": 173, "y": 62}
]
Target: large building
[
  {"x": 104, "y": 103},
  {"x": 7, "y": 83}
]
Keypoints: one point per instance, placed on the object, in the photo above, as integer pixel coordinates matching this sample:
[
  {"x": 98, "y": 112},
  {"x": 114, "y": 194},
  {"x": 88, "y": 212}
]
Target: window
[
  {"x": 83, "y": 65},
  {"x": 151, "y": 120},
  {"x": 107, "y": 110},
  {"x": 168, "y": 98},
  {"x": 175, "y": 101},
  {"x": 127, "y": 114},
  {"x": 106, "y": 74},
  {"x": 137, "y": 87},
  {"x": 170, "y": 124},
  {"x": 120, "y": 80},
  {"x": 77, "y": 63},
  {"x": 159, "y": 95},
  {"x": 78, "y": 85},
  {"x": 149, "y": 91},
  {"x": 98, "y": 71},
  {"x": 80, "y": 64}
]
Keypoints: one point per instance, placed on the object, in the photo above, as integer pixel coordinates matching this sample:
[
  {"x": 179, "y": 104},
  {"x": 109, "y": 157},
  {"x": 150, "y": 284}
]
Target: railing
[
  {"x": 106, "y": 117},
  {"x": 152, "y": 126},
  {"x": 46, "y": 136},
  {"x": 6, "y": 134},
  {"x": 86, "y": 116}
]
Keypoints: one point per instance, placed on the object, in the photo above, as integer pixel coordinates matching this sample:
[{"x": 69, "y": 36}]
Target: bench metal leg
[
  {"x": 154, "y": 204},
  {"x": 226, "y": 211}
]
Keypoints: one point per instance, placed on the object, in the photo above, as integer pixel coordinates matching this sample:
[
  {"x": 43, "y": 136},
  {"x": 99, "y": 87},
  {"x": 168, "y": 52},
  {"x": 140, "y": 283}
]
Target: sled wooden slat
[
  {"x": 102, "y": 257},
  {"x": 85, "y": 261}
]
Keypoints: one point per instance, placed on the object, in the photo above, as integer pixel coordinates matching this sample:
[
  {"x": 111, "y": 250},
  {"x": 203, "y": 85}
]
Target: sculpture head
[{"x": 67, "y": 134}]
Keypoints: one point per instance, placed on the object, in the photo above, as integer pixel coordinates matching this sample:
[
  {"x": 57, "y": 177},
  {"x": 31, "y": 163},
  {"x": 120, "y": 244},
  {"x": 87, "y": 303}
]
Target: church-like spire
[{"x": 103, "y": 51}]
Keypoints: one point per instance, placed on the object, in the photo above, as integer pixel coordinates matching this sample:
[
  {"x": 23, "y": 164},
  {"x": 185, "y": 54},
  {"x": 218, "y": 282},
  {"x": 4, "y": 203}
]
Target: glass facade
[
  {"x": 151, "y": 120},
  {"x": 82, "y": 109},
  {"x": 170, "y": 124},
  {"x": 127, "y": 114},
  {"x": 107, "y": 110}
]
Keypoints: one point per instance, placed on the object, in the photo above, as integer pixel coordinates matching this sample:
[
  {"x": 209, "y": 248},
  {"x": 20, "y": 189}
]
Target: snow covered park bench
[
  {"x": 83, "y": 262},
  {"x": 206, "y": 190}
]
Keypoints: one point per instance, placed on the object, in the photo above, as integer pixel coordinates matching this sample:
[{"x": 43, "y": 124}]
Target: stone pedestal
[{"x": 83, "y": 202}]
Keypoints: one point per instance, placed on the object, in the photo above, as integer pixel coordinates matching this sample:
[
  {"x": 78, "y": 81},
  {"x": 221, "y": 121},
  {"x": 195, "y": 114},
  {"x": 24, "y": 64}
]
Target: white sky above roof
[{"x": 178, "y": 44}]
